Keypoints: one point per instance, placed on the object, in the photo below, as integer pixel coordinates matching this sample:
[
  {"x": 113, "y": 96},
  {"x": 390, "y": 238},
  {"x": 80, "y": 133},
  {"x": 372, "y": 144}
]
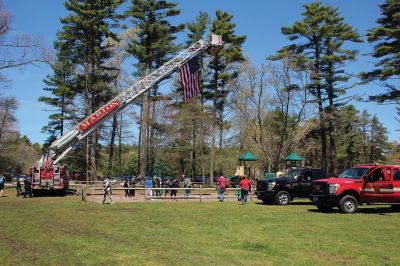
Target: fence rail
[{"x": 202, "y": 191}]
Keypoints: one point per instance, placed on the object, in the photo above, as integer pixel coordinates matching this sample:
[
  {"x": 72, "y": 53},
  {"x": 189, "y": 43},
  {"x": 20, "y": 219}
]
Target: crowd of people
[
  {"x": 19, "y": 192},
  {"x": 160, "y": 186}
]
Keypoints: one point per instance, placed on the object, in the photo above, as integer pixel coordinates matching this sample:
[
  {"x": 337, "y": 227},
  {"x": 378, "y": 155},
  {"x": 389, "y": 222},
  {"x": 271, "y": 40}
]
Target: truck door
[
  {"x": 396, "y": 184},
  {"x": 305, "y": 187},
  {"x": 378, "y": 186}
]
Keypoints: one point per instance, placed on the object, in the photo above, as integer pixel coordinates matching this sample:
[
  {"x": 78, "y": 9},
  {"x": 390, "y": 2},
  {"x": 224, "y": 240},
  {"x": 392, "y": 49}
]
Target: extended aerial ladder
[{"x": 62, "y": 146}]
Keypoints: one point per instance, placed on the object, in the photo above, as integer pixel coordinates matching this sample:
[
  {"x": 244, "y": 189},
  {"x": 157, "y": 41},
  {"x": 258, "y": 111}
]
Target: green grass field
[{"x": 66, "y": 231}]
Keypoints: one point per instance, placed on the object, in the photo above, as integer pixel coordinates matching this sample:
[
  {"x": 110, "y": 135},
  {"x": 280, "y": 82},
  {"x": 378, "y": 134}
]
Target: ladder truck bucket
[
  {"x": 216, "y": 40},
  {"x": 216, "y": 44}
]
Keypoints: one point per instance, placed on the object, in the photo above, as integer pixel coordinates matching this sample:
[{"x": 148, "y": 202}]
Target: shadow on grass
[
  {"x": 299, "y": 203},
  {"x": 376, "y": 211},
  {"x": 49, "y": 193}
]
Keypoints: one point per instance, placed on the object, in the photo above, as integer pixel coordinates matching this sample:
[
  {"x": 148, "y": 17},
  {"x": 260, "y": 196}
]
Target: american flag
[
  {"x": 48, "y": 161},
  {"x": 190, "y": 74}
]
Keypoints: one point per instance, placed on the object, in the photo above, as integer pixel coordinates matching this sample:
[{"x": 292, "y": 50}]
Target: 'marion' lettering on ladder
[{"x": 98, "y": 115}]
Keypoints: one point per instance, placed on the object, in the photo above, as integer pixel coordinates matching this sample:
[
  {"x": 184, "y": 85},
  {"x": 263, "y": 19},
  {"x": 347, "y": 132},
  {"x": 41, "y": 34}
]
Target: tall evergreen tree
[
  {"x": 81, "y": 40},
  {"x": 387, "y": 49},
  {"x": 61, "y": 86},
  {"x": 221, "y": 71},
  {"x": 334, "y": 59},
  {"x": 320, "y": 37},
  {"x": 378, "y": 140},
  {"x": 152, "y": 47}
]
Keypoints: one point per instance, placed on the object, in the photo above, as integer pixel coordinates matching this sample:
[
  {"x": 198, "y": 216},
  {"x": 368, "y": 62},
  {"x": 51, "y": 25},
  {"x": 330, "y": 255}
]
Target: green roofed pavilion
[
  {"x": 293, "y": 157},
  {"x": 248, "y": 156}
]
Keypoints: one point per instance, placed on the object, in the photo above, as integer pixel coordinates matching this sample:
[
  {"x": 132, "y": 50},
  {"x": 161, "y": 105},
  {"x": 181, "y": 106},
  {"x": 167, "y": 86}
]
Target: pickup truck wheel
[
  {"x": 324, "y": 208},
  {"x": 348, "y": 204},
  {"x": 282, "y": 198}
]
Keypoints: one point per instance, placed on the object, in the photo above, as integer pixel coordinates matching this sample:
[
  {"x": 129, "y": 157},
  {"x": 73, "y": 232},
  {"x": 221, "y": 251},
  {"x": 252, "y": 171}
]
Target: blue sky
[{"x": 259, "y": 20}]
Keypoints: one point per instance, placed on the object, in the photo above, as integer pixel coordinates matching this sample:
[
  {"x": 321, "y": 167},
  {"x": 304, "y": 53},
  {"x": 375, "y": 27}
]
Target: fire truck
[{"x": 48, "y": 173}]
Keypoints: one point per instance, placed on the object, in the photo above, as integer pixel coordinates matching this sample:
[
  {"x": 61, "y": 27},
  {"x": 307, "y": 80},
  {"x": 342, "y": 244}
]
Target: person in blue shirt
[
  {"x": 149, "y": 184},
  {"x": 2, "y": 182}
]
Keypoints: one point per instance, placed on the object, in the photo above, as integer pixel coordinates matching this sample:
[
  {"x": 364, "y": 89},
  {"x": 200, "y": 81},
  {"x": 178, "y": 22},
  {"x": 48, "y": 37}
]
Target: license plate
[{"x": 315, "y": 198}]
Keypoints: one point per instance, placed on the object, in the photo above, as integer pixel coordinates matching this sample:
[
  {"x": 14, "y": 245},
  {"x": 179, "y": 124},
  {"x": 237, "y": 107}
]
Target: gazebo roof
[
  {"x": 248, "y": 156},
  {"x": 293, "y": 157}
]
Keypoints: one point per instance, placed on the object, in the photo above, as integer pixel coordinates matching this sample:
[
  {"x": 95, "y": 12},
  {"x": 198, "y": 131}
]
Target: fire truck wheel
[{"x": 348, "y": 204}]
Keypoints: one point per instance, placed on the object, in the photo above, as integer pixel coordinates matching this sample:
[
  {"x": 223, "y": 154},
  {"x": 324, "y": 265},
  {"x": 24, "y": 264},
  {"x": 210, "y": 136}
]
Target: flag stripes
[{"x": 190, "y": 77}]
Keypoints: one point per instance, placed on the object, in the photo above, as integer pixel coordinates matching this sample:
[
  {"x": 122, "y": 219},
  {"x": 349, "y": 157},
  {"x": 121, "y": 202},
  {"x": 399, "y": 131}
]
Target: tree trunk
[
  {"x": 143, "y": 139},
  {"x": 111, "y": 151},
  {"x": 120, "y": 146},
  {"x": 322, "y": 117},
  {"x": 214, "y": 123}
]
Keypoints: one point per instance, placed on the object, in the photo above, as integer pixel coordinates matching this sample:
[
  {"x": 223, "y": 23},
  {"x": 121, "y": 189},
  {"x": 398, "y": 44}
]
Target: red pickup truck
[{"x": 357, "y": 185}]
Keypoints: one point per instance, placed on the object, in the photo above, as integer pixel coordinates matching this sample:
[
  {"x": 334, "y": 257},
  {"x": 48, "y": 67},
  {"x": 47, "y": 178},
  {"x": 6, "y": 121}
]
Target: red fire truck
[{"x": 49, "y": 174}]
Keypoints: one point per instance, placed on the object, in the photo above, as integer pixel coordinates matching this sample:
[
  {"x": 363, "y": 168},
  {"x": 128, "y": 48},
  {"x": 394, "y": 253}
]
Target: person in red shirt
[
  {"x": 221, "y": 188},
  {"x": 245, "y": 186}
]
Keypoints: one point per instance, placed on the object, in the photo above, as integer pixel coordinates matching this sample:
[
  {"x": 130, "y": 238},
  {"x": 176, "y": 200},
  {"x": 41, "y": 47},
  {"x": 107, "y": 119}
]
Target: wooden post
[
  {"x": 145, "y": 194},
  {"x": 83, "y": 193},
  {"x": 94, "y": 187},
  {"x": 200, "y": 192}
]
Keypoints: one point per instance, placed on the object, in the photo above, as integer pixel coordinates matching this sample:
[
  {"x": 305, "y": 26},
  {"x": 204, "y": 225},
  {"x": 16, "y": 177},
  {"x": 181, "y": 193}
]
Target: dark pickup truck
[{"x": 295, "y": 183}]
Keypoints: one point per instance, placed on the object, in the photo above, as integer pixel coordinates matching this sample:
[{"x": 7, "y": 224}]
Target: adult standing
[
  {"x": 149, "y": 185},
  {"x": 28, "y": 187},
  {"x": 174, "y": 186},
  {"x": 158, "y": 186},
  {"x": 245, "y": 186},
  {"x": 2, "y": 183},
  {"x": 126, "y": 186},
  {"x": 107, "y": 189},
  {"x": 132, "y": 185},
  {"x": 167, "y": 185},
  {"x": 19, "y": 187},
  {"x": 187, "y": 183},
  {"x": 221, "y": 188}
]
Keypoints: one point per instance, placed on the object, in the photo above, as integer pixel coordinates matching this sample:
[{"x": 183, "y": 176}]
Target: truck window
[
  {"x": 396, "y": 174},
  {"x": 316, "y": 174},
  {"x": 377, "y": 175},
  {"x": 307, "y": 175}
]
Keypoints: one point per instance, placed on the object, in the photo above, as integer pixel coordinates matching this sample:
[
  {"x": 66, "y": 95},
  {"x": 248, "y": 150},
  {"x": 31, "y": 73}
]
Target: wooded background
[{"x": 296, "y": 101}]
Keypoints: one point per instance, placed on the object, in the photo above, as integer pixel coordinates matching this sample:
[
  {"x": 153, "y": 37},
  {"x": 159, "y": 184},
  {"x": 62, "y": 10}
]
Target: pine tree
[
  {"x": 377, "y": 140},
  {"x": 81, "y": 40},
  {"x": 320, "y": 36},
  {"x": 387, "y": 49},
  {"x": 60, "y": 85},
  {"x": 335, "y": 58},
  {"x": 152, "y": 47},
  {"x": 221, "y": 71}
]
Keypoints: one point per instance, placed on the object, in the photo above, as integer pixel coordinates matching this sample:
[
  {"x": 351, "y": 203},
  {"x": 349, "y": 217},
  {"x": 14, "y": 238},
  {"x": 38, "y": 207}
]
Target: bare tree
[
  {"x": 269, "y": 109},
  {"x": 18, "y": 50}
]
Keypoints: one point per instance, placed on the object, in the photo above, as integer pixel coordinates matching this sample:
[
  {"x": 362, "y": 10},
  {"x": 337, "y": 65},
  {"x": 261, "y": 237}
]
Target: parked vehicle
[
  {"x": 295, "y": 183},
  {"x": 358, "y": 185},
  {"x": 54, "y": 178}
]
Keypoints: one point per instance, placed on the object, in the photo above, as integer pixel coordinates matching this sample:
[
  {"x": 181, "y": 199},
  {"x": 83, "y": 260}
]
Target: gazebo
[
  {"x": 248, "y": 160},
  {"x": 293, "y": 158}
]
